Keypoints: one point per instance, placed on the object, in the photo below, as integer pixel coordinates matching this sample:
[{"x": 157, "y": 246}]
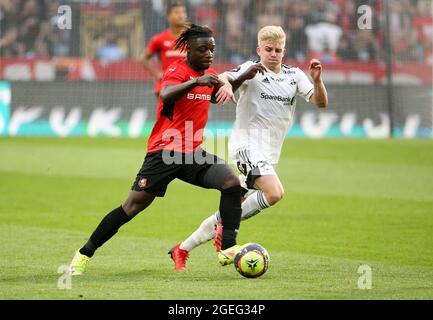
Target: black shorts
[{"x": 155, "y": 173}]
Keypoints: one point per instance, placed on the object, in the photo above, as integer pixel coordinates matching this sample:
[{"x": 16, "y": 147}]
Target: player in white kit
[{"x": 268, "y": 92}]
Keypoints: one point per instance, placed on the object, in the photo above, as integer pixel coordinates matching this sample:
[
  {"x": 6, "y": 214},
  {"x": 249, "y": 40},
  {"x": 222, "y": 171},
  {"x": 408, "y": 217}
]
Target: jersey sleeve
[
  {"x": 237, "y": 72},
  {"x": 174, "y": 75},
  {"x": 154, "y": 45},
  {"x": 305, "y": 88}
]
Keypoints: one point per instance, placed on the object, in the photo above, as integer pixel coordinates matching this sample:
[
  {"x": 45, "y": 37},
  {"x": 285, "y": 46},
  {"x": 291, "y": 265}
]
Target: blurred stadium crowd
[{"x": 327, "y": 29}]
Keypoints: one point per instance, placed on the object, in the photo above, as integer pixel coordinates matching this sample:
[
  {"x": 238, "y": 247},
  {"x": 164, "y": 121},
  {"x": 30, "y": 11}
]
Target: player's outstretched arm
[
  {"x": 172, "y": 93},
  {"x": 225, "y": 92},
  {"x": 247, "y": 75},
  {"x": 320, "y": 95}
]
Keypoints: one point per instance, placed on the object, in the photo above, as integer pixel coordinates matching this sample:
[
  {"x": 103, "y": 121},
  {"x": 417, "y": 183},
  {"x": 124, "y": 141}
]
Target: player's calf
[
  {"x": 274, "y": 196},
  {"x": 230, "y": 210},
  {"x": 136, "y": 202},
  {"x": 271, "y": 187}
]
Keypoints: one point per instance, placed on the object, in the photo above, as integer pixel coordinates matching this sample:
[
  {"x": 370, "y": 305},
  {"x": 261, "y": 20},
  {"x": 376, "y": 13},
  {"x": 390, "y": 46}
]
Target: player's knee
[
  {"x": 137, "y": 203},
  {"x": 274, "y": 196},
  {"x": 132, "y": 208},
  {"x": 231, "y": 181}
]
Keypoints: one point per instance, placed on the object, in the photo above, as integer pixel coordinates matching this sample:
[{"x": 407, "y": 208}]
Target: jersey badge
[{"x": 142, "y": 183}]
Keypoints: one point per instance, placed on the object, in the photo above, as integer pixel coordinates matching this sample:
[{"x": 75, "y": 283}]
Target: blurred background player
[
  {"x": 183, "y": 108},
  {"x": 264, "y": 112},
  {"x": 162, "y": 44}
]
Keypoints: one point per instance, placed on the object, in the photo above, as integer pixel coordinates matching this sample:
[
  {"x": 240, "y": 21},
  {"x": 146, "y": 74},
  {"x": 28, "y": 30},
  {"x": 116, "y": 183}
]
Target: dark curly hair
[{"x": 191, "y": 31}]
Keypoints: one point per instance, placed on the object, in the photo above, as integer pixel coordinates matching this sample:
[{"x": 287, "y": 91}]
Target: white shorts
[{"x": 252, "y": 165}]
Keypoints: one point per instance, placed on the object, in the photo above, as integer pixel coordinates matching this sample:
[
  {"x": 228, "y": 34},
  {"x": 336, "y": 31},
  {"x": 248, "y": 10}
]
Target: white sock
[
  {"x": 252, "y": 205},
  {"x": 203, "y": 234}
]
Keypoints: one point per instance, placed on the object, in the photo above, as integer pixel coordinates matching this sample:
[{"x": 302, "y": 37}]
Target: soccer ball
[{"x": 252, "y": 261}]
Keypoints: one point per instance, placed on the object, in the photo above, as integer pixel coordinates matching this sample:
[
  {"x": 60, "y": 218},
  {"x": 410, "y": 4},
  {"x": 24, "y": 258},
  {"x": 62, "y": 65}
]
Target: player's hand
[
  {"x": 315, "y": 69},
  {"x": 209, "y": 80},
  {"x": 225, "y": 94},
  {"x": 252, "y": 71}
]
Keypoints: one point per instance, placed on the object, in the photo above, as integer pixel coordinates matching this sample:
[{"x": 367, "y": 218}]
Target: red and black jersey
[
  {"x": 180, "y": 126},
  {"x": 163, "y": 45}
]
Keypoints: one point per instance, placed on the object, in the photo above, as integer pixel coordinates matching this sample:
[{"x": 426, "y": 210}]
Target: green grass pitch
[{"x": 347, "y": 203}]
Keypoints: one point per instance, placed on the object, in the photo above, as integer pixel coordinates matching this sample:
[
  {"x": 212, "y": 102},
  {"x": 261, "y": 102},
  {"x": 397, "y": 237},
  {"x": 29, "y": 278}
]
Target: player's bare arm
[
  {"x": 225, "y": 93},
  {"x": 146, "y": 59},
  {"x": 170, "y": 94},
  {"x": 247, "y": 75},
  {"x": 320, "y": 95}
]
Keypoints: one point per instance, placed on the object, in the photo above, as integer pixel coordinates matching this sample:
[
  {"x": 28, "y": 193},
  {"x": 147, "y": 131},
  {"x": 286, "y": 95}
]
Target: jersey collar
[{"x": 270, "y": 71}]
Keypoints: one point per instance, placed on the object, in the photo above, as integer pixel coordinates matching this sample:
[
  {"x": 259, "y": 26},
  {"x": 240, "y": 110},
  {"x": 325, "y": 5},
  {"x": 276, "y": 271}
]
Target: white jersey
[{"x": 265, "y": 110}]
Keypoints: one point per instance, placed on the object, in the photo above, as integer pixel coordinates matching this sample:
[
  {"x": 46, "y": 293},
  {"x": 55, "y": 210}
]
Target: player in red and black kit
[
  {"x": 162, "y": 44},
  {"x": 174, "y": 150}
]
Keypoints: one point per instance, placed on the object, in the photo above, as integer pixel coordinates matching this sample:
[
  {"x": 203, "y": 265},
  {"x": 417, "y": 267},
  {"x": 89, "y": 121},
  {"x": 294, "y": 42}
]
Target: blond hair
[{"x": 275, "y": 33}]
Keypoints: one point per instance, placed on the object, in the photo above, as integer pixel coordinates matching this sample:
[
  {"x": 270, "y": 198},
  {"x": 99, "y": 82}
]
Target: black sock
[
  {"x": 229, "y": 238},
  {"x": 230, "y": 210},
  {"x": 107, "y": 228}
]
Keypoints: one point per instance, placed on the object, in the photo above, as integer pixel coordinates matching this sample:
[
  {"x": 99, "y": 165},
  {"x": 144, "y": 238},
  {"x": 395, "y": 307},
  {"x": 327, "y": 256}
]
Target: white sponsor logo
[{"x": 192, "y": 96}]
